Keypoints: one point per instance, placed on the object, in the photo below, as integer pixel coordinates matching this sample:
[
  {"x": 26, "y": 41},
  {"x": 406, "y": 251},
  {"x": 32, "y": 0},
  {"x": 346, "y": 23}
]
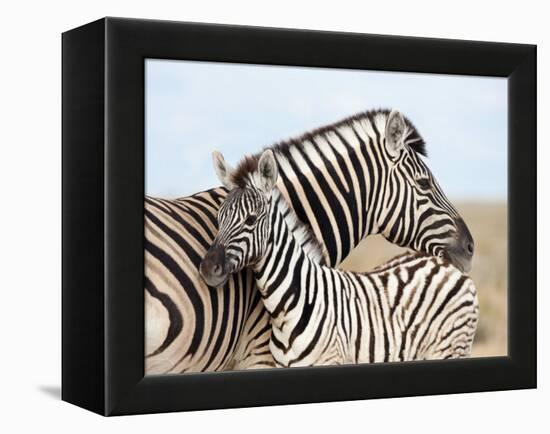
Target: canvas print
[{"x": 302, "y": 217}]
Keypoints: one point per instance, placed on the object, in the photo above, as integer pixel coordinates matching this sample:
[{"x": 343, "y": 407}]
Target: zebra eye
[
  {"x": 424, "y": 183},
  {"x": 250, "y": 220}
]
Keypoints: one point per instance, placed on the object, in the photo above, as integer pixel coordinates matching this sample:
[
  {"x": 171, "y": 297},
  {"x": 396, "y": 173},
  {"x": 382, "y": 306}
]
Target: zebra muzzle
[
  {"x": 462, "y": 251},
  {"x": 212, "y": 267}
]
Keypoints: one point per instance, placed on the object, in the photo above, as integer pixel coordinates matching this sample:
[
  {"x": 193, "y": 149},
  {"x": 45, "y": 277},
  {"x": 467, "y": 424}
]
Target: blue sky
[{"x": 195, "y": 107}]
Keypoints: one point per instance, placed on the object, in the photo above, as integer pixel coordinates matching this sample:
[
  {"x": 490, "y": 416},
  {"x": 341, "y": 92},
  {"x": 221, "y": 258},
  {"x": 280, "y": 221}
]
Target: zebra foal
[{"x": 415, "y": 307}]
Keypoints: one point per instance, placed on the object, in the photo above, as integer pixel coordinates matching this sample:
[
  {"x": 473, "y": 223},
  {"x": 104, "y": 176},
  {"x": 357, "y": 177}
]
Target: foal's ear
[
  {"x": 268, "y": 171},
  {"x": 395, "y": 133},
  {"x": 223, "y": 170}
]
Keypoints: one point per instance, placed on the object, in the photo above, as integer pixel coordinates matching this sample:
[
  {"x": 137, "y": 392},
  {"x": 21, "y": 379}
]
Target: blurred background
[{"x": 193, "y": 108}]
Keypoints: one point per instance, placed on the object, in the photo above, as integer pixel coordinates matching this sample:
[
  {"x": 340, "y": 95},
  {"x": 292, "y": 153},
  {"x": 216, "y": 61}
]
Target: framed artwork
[{"x": 258, "y": 216}]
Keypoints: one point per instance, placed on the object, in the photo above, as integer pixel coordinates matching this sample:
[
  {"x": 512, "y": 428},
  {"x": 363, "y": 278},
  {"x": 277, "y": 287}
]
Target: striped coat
[
  {"x": 415, "y": 307},
  {"x": 344, "y": 181}
]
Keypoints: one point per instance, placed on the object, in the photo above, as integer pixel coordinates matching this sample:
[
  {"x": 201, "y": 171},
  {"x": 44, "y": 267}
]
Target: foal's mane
[{"x": 302, "y": 233}]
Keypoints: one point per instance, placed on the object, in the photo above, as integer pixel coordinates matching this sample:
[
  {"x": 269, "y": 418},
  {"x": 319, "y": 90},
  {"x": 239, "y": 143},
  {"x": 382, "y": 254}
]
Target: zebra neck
[
  {"x": 333, "y": 179},
  {"x": 288, "y": 248}
]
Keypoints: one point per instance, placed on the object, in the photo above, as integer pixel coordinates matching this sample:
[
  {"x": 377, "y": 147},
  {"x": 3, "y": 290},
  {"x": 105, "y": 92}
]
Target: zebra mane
[
  {"x": 250, "y": 163},
  {"x": 413, "y": 139},
  {"x": 301, "y": 232},
  {"x": 247, "y": 166}
]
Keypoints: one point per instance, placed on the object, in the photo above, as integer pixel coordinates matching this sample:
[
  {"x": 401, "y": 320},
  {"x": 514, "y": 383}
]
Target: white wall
[{"x": 30, "y": 182}]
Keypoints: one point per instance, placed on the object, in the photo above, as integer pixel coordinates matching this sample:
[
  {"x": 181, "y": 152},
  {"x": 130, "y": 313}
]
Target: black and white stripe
[
  {"x": 188, "y": 326},
  {"x": 415, "y": 307},
  {"x": 344, "y": 181}
]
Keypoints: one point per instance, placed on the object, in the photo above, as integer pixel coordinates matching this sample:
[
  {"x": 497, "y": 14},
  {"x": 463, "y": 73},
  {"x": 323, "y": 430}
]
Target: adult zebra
[
  {"x": 417, "y": 307},
  {"x": 360, "y": 176}
]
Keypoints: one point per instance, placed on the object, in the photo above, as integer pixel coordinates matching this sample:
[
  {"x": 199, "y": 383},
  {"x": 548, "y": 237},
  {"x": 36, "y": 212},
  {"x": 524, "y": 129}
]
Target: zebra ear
[
  {"x": 268, "y": 171},
  {"x": 395, "y": 133},
  {"x": 223, "y": 170}
]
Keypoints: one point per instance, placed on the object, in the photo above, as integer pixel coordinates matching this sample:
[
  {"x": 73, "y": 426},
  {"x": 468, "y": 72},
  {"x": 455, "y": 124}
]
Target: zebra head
[
  {"x": 243, "y": 218},
  {"x": 414, "y": 212}
]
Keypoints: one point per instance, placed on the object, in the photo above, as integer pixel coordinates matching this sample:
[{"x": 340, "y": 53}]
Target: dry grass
[{"x": 487, "y": 222}]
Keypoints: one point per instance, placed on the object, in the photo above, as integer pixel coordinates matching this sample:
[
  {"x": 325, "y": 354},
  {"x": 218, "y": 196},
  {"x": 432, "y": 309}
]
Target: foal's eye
[
  {"x": 250, "y": 220},
  {"x": 424, "y": 183}
]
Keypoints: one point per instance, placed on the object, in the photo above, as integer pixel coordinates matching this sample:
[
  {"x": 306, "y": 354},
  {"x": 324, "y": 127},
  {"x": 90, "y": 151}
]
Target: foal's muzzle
[{"x": 212, "y": 268}]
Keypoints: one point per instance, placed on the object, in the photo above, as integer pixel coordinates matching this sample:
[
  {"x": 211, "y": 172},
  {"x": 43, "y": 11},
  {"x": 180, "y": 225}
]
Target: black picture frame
[{"x": 103, "y": 190}]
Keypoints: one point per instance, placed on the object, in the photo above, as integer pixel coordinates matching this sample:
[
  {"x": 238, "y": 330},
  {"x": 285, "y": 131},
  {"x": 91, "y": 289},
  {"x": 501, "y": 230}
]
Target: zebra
[
  {"x": 415, "y": 307},
  {"x": 360, "y": 176}
]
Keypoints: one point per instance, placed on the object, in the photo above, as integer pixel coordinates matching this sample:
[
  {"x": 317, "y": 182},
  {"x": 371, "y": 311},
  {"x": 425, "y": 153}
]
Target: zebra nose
[
  {"x": 217, "y": 270},
  {"x": 213, "y": 262},
  {"x": 465, "y": 238},
  {"x": 470, "y": 248}
]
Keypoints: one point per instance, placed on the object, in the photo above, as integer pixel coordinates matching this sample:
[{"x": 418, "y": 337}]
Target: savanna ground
[{"x": 488, "y": 225}]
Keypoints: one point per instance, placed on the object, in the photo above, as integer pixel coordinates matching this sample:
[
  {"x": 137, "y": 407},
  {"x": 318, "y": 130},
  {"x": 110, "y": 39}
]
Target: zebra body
[
  {"x": 415, "y": 307},
  {"x": 424, "y": 308},
  {"x": 358, "y": 177}
]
